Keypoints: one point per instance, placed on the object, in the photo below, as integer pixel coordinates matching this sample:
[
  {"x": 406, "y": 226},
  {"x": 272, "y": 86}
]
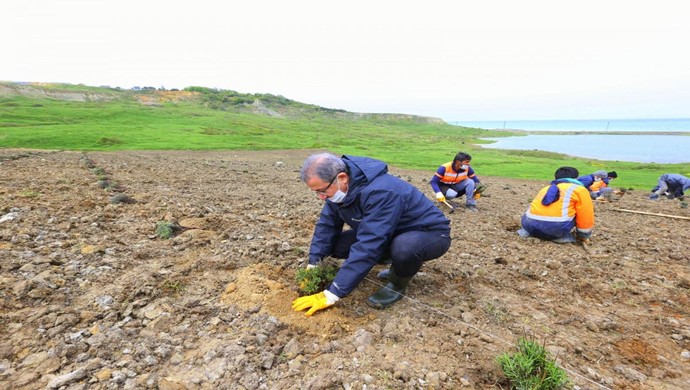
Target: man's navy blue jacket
[{"x": 378, "y": 206}]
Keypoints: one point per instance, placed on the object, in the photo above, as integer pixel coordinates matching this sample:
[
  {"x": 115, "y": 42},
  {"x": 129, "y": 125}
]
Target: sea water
[
  {"x": 648, "y": 147},
  {"x": 663, "y": 149}
]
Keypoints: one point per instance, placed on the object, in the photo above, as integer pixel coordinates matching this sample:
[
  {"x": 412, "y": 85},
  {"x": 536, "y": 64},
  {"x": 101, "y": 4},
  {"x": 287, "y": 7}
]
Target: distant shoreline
[
  {"x": 598, "y": 132},
  {"x": 662, "y": 126}
]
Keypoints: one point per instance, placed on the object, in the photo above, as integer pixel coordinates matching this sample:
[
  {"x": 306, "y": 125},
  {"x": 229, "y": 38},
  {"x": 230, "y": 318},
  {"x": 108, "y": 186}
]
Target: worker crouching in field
[
  {"x": 559, "y": 208},
  {"x": 386, "y": 214},
  {"x": 672, "y": 185},
  {"x": 455, "y": 179},
  {"x": 598, "y": 183}
]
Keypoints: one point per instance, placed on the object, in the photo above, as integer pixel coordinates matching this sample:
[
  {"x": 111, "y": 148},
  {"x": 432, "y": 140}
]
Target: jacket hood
[
  {"x": 363, "y": 170},
  {"x": 601, "y": 174}
]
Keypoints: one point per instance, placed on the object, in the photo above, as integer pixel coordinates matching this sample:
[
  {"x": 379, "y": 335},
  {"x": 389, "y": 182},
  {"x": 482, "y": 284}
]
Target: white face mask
[
  {"x": 339, "y": 196},
  {"x": 463, "y": 167}
]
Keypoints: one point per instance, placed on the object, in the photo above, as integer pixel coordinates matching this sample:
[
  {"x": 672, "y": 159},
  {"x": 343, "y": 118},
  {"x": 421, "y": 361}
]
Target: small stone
[
  {"x": 104, "y": 374},
  {"x": 66, "y": 379},
  {"x": 231, "y": 287}
]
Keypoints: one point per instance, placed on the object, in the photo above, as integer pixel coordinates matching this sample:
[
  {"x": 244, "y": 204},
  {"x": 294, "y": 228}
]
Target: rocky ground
[{"x": 91, "y": 297}]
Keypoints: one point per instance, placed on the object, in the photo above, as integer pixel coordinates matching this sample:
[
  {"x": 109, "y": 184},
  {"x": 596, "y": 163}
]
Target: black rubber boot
[
  {"x": 391, "y": 292},
  {"x": 383, "y": 275}
]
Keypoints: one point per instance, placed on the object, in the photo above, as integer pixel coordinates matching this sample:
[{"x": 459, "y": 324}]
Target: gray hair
[{"x": 325, "y": 166}]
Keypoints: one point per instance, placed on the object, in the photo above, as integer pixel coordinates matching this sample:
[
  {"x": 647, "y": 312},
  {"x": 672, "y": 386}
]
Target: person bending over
[
  {"x": 558, "y": 208},
  {"x": 598, "y": 183},
  {"x": 386, "y": 215},
  {"x": 672, "y": 185}
]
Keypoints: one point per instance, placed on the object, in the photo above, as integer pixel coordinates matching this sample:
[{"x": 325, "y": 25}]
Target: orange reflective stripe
[{"x": 450, "y": 176}]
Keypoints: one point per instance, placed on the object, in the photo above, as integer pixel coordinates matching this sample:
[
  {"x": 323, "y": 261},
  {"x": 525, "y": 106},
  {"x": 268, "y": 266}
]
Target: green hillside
[{"x": 78, "y": 117}]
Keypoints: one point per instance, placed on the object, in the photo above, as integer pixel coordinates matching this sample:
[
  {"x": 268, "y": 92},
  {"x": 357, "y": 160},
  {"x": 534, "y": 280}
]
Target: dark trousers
[{"x": 407, "y": 250}]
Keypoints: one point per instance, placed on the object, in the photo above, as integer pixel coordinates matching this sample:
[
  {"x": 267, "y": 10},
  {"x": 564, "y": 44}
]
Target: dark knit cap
[
  {"x": 566, "y": 173},
  {"x": 613, "y": 174}
]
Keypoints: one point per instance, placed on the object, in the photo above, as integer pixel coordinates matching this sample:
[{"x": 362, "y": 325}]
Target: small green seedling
[
  {"x": 316, "y": 279},
  {"x": 531, "y": 368},
  {"x": 166, "y": 229},
  {"x": 121, "y": 198}
]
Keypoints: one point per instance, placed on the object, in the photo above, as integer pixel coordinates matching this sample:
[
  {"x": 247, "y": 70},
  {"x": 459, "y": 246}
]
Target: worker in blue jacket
[
  {"x": 597, "y": 183},
  {"x": 386, "y": 215},
  {"x": 672, "y": 185}
]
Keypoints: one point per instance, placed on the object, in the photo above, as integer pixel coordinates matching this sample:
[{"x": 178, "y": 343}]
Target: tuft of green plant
[
  {"x": 29, "y": 194},
  {"x": 175, "y": 287},
  {"x": 121, "y": 198},
  {"x": 167, "y": 229},
  {"x": 531, "y": 368},
  {"x": 112, "y": 186},
  {"x": 315, "y": 279},
  {"x": 496, "y": 312},
  {"x": 88, "y": 162},
  {"x": 480, "y": 189},
  {"x": 109, "y": 141}
]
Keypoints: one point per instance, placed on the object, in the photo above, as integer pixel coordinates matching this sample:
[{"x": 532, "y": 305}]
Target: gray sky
[{"x": 456, "y": 60}]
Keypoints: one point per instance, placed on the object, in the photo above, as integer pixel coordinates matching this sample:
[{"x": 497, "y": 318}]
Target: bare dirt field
[{"x": 92, "y": 298}]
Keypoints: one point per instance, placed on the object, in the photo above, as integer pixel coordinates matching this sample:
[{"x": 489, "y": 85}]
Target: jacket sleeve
[
  {"x": 586, "y": 181},
  {"x": 381, "y": 213},
  {"x": 472, "y": 175},
  {"x": 584, "y": 213},
  {"x": 436, "y": 179},
  {"x": 326, "y": 233}
]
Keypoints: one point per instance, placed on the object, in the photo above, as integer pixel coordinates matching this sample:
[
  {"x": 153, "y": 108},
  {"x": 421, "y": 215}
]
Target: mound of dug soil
[{"x": 92, "y": 297}]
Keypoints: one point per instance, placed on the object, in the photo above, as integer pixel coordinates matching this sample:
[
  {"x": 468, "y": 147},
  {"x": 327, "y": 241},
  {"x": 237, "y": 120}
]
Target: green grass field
[{"x": 69, "y": 117}]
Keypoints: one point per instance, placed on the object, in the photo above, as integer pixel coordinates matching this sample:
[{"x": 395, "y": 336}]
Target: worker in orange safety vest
[
  {"x": 455, "y": 179},
  {"x": 558, "y": 208}
]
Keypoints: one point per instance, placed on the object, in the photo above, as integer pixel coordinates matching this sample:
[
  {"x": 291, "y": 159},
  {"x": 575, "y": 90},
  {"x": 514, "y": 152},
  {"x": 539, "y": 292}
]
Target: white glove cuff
[
  {"x": 330, "y": 297},
  {"x": 310, "y": 266},
  {"x": 439, "y": 194}
]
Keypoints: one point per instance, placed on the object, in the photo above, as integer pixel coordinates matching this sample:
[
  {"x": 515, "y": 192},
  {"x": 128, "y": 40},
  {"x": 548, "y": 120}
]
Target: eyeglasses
[{"x": 323, "y": 190}]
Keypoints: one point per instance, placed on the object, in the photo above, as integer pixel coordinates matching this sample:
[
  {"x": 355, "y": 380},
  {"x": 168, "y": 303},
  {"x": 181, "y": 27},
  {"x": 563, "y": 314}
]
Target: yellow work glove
[
  {"x": 478, "y": 191},
  {"x": 440, "y": 198},
  {"x": 314, "y": 302}
]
